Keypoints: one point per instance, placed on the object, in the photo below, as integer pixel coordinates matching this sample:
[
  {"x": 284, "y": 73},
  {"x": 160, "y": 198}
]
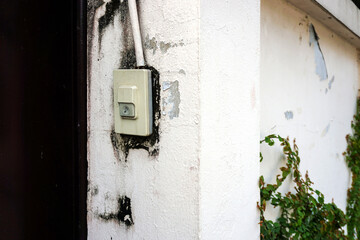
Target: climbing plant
[
  {"x": 303, "y": 212},
  {"x": 352, "y": 157}
]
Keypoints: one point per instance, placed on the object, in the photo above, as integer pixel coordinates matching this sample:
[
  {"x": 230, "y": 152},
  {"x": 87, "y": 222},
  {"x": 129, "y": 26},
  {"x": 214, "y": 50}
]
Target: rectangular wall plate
[{"x": 133, "y": 108}]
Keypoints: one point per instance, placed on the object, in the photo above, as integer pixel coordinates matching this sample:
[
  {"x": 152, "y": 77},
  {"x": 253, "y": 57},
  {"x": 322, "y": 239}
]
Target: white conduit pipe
[{"x": 136, "y": 33}]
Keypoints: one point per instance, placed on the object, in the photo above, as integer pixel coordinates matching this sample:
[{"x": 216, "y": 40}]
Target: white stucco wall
[
  {"x": 163, "y": 189},
  {"x": 203, "y": 183},
  {"x": 209, "y": 126},
  {"x": 229, "y": 76},
  {"x": 344, "y": 10},
  {"x": 296, "y": 103}
]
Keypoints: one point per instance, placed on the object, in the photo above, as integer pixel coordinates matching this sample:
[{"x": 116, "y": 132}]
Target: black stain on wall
[
  {"x": 123, "y": 214},
  {"x": 94, "y": 191},
  {"x": 128, "y": 58},
  {"x": 92, "y": 5},
  {"x": 112, "y": 8},
  {"x": 124, "y": 143}
]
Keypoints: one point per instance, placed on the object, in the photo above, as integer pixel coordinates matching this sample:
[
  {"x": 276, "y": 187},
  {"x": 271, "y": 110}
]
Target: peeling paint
[
  {"x": 321, "y": 69},
  {"x": 153, "y": 44},
  {"x": 329, "y": 85},
  {"x": 331, "y": 82},
  {"x": 150, "y": 43},
  {"x": 123, "y": 143},
  {"x": 325, "y": 131},
  {"x": 122, "y": 215},
  {"x": 164, "y": 46},
  {"x": 289, "y": 115},
  {"x": 171, "y": 102}
]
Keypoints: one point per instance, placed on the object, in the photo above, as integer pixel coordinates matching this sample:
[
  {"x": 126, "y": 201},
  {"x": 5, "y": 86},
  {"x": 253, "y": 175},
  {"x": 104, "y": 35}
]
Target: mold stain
[
  {"x": 182, "y": 71},
  {"x": 171, "y": 103},
  {"x": 123, "y": 143},
  {"x": 94, "y": 191},
  {"x": 122, "y": 215},
  {"x": 128, "y": 59},
  {"x": 112, "y": 9},
  {"x": 289, "y": 115},
  {"x": 320, "y": 64}
]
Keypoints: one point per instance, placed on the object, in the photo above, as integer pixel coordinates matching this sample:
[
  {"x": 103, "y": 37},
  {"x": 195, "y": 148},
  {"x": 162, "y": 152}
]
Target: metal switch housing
[{"x": 133, "y": 108}]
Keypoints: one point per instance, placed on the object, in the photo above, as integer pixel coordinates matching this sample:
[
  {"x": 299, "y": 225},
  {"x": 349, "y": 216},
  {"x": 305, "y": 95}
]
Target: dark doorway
[{"x": 43, "y": 119}]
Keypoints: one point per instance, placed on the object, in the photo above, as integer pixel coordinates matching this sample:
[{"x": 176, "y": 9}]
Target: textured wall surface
[
  {"x": 309, "y": 84},
  {"x": 229, "y": 165},
  {"x": 197, "y": 176},
  {"x": 144, "y": 188},
  {"x": 344, "y": 10}
]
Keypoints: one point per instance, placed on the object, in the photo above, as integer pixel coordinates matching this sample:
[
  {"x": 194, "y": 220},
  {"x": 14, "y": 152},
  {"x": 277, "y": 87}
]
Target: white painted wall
[
  {"x": 321, "y": 116},
  {"x": 215, "y": 127},
  {"x": 164, "y": 190},
  {"x": 344, "y": 10},
  {"x": 204, "y": 182},
  {"x": 229, "y": 166}
]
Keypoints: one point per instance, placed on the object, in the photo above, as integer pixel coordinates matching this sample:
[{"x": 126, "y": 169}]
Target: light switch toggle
[
  {"x": 127, "y": 110},
  {"x": 127, "y": 100}
]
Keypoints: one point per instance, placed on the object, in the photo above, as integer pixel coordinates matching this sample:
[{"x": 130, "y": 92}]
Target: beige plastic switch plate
[{"x": 133, "y": 102}]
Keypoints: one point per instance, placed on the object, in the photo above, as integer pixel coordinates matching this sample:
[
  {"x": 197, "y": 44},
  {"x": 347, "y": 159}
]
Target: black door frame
[{"x": 80, "y": 114}]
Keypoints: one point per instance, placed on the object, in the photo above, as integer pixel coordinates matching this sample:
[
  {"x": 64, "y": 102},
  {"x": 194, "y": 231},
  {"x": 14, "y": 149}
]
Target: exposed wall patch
[
  {"x": 331, "y": 82},
  {"x": 171, "y": 101},
  {"x": 325, "y": 131},
  {"x": 321, "y": 69},
  {"x": 164, "y": 46},
  {"x": 153, "y": 44},
  {"x": 289, "y": 115},
  {"x": 150, "y": 43}
]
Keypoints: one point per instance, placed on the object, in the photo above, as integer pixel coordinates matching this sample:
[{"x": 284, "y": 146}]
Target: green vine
[
  {"x": 304, "y": 213},
  {"x": 352, "y": 157}
]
